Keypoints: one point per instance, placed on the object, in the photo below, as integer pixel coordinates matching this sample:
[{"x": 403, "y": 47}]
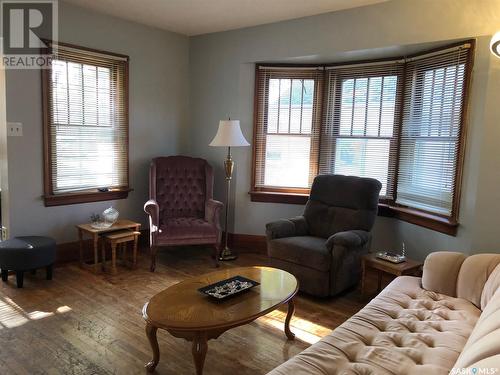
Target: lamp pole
[{"x": 226, "y": 253}]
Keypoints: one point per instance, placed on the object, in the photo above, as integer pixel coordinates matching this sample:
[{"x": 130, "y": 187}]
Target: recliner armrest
[
  {"x": 350, "y": 238},
  {"x": 296, "y": 226},
  {"x": 212, "y": 212},
  {"x": 153, "y": 210}
]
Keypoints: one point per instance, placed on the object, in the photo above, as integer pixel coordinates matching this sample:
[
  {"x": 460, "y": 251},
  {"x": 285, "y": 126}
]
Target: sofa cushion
[
  {"x": 404, "y": 330},
  {"x": 473, "y": 275},
  {"x": 307, "y": 251},
  {"x": 186, "y": 227}
]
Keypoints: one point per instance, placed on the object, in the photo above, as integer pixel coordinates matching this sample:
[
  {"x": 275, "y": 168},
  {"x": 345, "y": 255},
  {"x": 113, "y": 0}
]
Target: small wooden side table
[
  {"x": 120, "y": 239},
  {"x": 408, "y": 267},
  {"x": 86, "y": 229}
]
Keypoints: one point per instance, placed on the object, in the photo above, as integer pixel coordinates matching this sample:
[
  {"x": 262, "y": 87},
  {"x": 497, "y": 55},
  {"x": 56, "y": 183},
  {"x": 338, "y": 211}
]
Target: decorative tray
[
  {"x": 391, "y": 257},
  {"x": 228, "y": 287}
]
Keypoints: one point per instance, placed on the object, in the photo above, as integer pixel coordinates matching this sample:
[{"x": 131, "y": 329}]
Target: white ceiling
[{"x": 194, "y": 17}]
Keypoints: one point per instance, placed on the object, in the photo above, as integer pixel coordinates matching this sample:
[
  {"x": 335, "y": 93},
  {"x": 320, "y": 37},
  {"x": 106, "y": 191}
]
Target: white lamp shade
[
  {"x": 495, "y": 44},
  {"x": 229, "y": 135}
]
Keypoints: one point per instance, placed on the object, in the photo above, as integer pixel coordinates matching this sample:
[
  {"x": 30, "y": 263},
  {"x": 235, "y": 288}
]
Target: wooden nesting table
[
  {"x": 87, "y": 230},
  {"x": 408, "y": 267},
  {"x": 186, "y": 313}
]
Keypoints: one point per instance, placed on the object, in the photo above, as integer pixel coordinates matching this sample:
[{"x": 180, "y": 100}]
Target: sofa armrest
[
  {"x": 153, "y": 210},
  {"x": 212, "y": 212},
  {"x": 296, "y": 226},
  {"x": 350, "y": 238},
  {"x": 441, "y": 270}
]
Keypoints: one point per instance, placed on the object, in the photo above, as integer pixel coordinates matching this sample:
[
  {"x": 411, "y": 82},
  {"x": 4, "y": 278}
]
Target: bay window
[{"x": 399, "y": 121}]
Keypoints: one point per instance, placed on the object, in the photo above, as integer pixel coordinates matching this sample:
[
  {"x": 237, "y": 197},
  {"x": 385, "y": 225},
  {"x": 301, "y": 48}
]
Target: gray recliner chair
[{"x": 323, "y": 247}]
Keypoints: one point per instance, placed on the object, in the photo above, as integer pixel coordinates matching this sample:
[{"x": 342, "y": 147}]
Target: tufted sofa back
[
  {"x": 457, "y": 275},
  {"x": 181, "y": 185},
  {"x": 338, "y": 203}
]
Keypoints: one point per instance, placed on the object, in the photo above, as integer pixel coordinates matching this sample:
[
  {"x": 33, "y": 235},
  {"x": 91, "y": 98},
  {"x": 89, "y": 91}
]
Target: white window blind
[
  {"x": 359, "y": 129},
  {"x": 287, "y": 124},
  {"x": 87, "y": 121},
  {"x": 431, "y": 130}
]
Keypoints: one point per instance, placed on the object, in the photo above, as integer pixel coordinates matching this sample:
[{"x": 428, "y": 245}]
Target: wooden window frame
[
  {"x": 314, "y": 135},
  {"x": 387, "y": 208},
  {"x": 84, "y": 196}
]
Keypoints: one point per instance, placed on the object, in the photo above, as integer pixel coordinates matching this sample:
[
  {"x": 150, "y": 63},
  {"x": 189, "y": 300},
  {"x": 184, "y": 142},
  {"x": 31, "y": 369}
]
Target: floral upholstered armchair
[{"x": 181, "y": 209}]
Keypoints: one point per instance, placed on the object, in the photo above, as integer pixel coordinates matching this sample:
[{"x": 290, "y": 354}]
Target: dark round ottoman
[{"x": 27, "y": 253}]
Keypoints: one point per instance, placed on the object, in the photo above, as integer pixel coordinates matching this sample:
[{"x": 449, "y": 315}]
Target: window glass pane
[
  {"x": 287, "y": 161},
  {"x": 364, "y": 158},
  {"x": 374, "y": 106},
  {"x": 307, "y": 106},
  {"x": 89, "y": 89},
  {"x": 273, "y": 104},
  {"x": 359, "y": 116},
  {"x": 346, "y": 106},
  {"x": 104, "y": 95},
  {"x": 388, "y": 106},
  {"x": 296, "y": 106},
  {"x": 59, "y": 92},
  {"x": 284, "y": 106},
  {"x": 75, "y": 94}
]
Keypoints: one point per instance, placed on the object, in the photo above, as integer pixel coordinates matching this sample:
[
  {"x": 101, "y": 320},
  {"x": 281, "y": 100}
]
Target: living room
[{"x": 131, "y": 109}]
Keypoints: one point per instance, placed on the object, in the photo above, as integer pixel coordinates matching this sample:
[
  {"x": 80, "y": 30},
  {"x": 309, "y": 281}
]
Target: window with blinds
[
  {"x": 431, "y": 130},
  {"x": 86, "y": 115},
  {"x": 287, "y": 124},
  {"x": 359, "y": 133},
  {"x": 400, "y": 122}
]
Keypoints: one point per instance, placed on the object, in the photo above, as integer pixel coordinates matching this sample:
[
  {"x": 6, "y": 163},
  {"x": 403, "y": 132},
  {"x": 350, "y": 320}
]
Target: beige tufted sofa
[{"x": 448, "y": 321}]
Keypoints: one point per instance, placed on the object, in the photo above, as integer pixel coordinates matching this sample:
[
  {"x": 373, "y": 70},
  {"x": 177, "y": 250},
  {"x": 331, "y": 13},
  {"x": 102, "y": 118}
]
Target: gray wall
[
  {"x": 159, "y": 69},
  {"x": 222, "y": 78},
  {"x": 180, "y": 88}
]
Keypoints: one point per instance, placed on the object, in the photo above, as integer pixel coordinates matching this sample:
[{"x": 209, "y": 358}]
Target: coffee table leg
[
  {"x": 199, "y": 351},
  {"x": 291, "y": 310},
  {"x": 153, "y": 341}
]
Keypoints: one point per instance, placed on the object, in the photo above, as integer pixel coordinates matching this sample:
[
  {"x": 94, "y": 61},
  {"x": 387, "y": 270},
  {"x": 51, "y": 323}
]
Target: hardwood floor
[{"x": 81, "y": 323}]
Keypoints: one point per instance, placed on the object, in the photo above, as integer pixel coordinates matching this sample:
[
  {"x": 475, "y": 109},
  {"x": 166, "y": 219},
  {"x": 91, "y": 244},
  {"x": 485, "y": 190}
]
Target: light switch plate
[{"x": 15, "y": 129}]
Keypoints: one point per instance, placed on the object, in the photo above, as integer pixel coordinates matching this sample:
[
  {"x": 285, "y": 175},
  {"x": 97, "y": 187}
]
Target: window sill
[
  {"x": 275, "y": 197},
  {"x": 424, "y": 219},
  {"x": 427, "y": 220},
  {"x": 84, "y": 197}
]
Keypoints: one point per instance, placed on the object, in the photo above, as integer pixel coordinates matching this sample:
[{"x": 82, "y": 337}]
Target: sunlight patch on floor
[
  {"x": 304, "y": 330},
  {"x": 12, "y": 315}
]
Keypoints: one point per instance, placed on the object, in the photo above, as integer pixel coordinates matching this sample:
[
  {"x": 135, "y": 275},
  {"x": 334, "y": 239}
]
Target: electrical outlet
[{"x": 15, "y": 129}]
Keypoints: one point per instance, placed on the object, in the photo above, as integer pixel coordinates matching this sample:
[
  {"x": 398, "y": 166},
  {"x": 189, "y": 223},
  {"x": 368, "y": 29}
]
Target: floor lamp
[{"x": 228, "y": 135}]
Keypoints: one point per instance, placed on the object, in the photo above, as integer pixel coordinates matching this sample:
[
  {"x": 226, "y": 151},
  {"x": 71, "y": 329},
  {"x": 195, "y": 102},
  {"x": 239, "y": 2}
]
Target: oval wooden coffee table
[{"x": 186, "y": 313}]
